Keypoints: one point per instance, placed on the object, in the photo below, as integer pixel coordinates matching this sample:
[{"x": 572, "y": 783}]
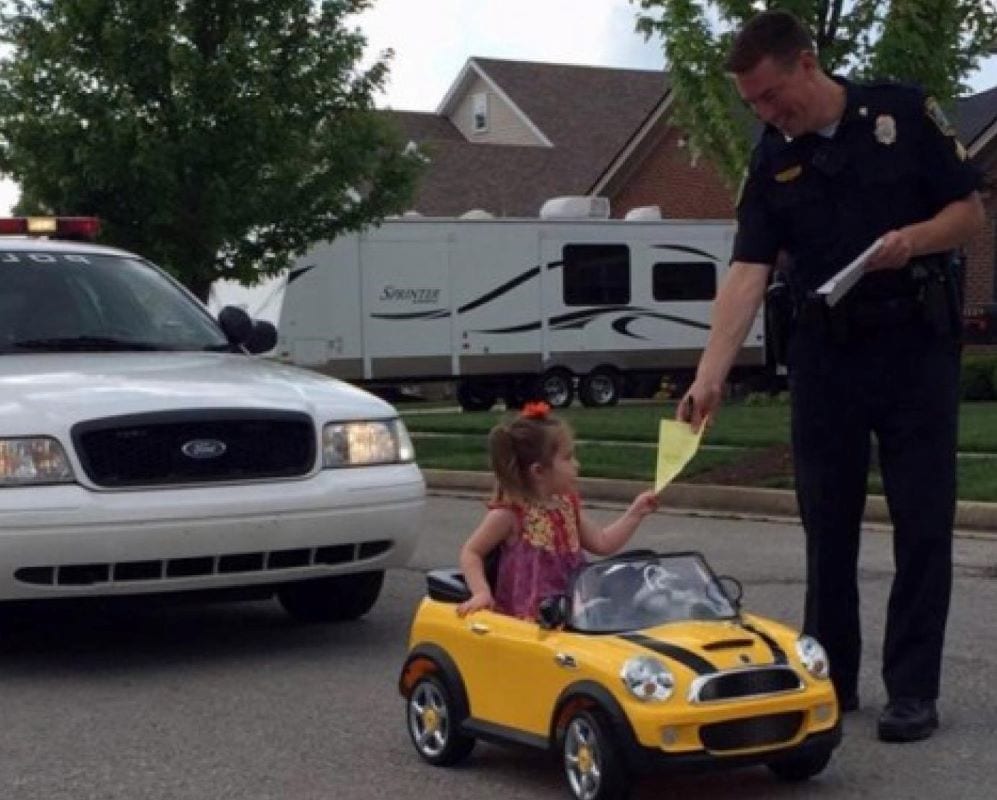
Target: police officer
[{"x": 840, "y": 165}]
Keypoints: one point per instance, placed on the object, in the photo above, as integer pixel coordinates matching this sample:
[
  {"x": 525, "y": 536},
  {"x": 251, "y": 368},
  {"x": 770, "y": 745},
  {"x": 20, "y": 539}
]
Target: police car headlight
[
  {"x": 647, "y": 678},
  {"x": 813, "y": 657},
  {"x": 32, "y": 461},
  {"x": 354, "y": 444}
]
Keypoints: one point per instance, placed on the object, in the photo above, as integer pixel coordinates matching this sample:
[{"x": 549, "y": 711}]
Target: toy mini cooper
[{"x": 647, "y": 662}]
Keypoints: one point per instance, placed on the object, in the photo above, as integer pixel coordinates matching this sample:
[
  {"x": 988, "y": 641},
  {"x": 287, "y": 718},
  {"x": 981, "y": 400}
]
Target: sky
[{"x": 432, "y": 40}]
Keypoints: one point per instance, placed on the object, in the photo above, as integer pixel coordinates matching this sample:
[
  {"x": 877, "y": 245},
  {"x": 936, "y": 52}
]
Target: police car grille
[
  {"x": 741, "y": 734},
  {"x": 746, "y": 683},
  {"x": 188, "y": 447}
]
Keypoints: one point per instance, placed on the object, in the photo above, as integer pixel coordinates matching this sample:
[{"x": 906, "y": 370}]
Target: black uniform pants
[{"x": 901, "y": 384}]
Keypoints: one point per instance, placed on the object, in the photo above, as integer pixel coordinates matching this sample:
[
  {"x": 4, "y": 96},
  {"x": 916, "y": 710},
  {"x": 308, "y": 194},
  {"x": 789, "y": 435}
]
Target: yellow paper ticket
[{"x": 677, "y": 444}]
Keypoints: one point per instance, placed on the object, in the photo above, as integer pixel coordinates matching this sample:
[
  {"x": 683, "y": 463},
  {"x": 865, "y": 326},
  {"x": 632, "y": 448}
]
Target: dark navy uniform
[{"x": 884, "y": 361}]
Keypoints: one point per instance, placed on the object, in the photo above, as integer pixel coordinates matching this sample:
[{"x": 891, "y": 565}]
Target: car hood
[
  {"x": 705, "y": 646},
  {"x": 48, "y": 393}
]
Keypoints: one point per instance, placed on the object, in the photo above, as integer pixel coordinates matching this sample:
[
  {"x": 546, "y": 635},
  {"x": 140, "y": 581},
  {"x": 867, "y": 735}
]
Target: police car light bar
[{"x": 54, "y": 227}]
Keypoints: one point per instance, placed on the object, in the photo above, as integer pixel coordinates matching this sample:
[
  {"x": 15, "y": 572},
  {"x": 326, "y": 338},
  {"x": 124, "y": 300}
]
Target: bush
[{"x": 979, "y": 378}]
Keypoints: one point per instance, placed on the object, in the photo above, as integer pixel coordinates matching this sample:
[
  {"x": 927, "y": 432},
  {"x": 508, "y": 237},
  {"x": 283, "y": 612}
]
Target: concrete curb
[{"x": 970, "y": 516}]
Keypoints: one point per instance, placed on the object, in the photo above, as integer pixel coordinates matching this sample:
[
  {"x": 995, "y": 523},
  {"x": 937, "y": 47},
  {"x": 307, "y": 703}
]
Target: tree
[
  {"x": 935, "y": 43},
  {"x": 216, "y": 137}
]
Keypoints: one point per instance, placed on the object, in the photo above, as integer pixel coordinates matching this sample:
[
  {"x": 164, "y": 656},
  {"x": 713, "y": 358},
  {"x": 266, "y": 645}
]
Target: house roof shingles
[{"x": 588, "y": 114}]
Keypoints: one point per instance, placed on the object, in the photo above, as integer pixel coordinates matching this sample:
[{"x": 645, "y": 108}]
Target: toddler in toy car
[{"x": 534, "y": 520}]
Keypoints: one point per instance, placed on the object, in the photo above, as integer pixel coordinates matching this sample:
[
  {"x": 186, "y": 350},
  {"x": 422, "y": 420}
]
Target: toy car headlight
[
  {"x": 813, "y": 657},
  {"x": 37, "y": 460},
  {"x": 354, "y": 444},
  {"x": 647, "y": 678}
]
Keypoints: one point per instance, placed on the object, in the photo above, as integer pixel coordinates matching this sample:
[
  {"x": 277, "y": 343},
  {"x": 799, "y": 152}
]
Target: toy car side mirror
[
  {"x": 553, "y": 612},
  {"x": 732, "y": 588}
]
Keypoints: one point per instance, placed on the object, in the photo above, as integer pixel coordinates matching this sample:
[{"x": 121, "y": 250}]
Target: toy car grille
[
  {"x": 745, "y": 683},
  {"x": 195, "y": 447},
  {"x": 742, "y": 734}
]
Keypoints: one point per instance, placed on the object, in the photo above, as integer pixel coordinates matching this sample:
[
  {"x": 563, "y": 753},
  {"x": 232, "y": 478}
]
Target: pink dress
[{"x": 540, "y": 559}]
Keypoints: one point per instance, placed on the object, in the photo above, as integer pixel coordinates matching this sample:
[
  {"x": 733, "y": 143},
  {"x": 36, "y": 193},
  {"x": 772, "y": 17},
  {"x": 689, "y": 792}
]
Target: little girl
[{"x": 535, "y": 518}]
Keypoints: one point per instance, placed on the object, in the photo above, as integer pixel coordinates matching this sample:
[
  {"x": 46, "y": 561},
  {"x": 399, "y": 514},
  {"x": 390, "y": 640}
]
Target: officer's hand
[
  {"x": 698, "y": 404},
  {"x": 894, "y": 251}
]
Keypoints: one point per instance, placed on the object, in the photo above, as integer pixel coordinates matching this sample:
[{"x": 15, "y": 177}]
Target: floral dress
[{"x": 541, "y": 557}]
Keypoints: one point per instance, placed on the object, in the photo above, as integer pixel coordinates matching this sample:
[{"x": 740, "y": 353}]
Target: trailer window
[
  {"x": 684, "y": 280},
  {"x": 596, "y": 274}
]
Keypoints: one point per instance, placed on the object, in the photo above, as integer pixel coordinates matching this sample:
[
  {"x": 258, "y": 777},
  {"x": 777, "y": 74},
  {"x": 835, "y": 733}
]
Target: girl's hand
[
  {"x": 484, "y": 600},
  {"x": 645, "y": 503}
]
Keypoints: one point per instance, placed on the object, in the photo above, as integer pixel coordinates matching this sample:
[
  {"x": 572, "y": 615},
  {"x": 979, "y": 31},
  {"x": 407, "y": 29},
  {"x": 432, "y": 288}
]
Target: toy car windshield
[{"x": 641, "y": 592}]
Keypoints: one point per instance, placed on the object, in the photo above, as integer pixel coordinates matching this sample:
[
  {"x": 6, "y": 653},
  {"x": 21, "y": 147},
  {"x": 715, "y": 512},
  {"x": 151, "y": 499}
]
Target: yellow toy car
[{"x": 647, "y": 662}]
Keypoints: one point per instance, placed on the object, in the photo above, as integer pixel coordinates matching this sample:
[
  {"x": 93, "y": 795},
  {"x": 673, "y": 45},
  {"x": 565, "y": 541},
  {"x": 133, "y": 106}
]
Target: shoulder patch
[{"x": 935, "y": 114}]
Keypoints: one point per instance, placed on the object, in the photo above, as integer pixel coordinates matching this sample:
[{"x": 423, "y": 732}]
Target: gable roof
[{"x": 588, "y": 114}]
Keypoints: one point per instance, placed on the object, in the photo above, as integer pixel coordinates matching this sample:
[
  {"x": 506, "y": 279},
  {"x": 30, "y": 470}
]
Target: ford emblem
[{"x": 203, "y": 448}]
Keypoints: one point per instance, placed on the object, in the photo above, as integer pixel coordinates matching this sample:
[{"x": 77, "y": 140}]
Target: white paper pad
[{"x": 838, "y": 286}]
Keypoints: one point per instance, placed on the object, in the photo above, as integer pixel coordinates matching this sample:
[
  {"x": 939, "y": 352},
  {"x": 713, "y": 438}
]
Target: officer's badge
[
  {"x": 936, "y": 115},
  {"x": 790, "y": 174},
  {"x": 886, "y": 129}
]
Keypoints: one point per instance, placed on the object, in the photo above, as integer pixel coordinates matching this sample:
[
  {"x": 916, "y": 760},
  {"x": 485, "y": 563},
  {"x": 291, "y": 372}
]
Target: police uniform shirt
[{"x": 893, "y": 160}]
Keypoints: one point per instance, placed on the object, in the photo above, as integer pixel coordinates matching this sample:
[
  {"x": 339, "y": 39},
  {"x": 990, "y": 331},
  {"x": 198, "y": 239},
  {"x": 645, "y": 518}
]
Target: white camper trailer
[{"x": 512, "y": 308}]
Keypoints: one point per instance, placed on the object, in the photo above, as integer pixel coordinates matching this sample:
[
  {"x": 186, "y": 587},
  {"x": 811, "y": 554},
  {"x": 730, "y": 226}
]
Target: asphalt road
[{"x": 235, "y": 701}]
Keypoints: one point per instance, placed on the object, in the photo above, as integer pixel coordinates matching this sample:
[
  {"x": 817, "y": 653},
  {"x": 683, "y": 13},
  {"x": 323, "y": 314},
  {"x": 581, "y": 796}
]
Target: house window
[
  {"x": 677, "y": 281},
  {"x": 596, "y": 274},
  {"x": 480, "y": 112}
]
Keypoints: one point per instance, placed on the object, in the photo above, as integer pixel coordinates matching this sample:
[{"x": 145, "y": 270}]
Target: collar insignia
[
  {"x": 790, "y": 174},
  {"x": 886, "y": 129}
]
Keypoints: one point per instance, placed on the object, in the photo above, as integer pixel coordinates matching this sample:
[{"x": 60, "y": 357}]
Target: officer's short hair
[{"x": 777, "y": 34}]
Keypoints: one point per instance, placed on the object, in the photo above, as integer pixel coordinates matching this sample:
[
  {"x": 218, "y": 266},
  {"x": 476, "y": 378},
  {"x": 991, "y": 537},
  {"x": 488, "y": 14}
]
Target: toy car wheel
[
  {"x": 433, "y": 723},
  {"x": 337, "y": 599},
  {"x": 592, "y": 763},
  {"x": 802, "y": 766}
]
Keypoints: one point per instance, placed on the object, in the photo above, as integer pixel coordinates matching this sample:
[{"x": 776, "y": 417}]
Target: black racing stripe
[
  {"x": 500, "y": 290},
  {"x": 696, "y": 663},
  {"x": 681, "y": 248},
  {"x": 579, "y": 319},
  {"x": 778, "y": 654}
]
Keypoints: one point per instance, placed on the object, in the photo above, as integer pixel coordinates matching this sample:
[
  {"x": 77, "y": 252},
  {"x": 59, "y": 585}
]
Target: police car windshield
[
  {"x": 69, "y": 302},
  {"x": 635, "y": 592}
]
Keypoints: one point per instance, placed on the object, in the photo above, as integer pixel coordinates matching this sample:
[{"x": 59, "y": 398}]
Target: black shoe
[
  {"x": 907, "y": 720},
  {"x": 848, "y": 703}
]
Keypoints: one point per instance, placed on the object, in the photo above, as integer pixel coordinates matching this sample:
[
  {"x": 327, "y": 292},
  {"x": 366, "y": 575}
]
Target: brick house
[{"x": 510, "y": 134}]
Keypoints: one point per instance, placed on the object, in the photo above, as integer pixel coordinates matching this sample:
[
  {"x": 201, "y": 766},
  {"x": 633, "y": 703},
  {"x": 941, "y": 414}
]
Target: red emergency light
[{"x": 54, "y": 227}]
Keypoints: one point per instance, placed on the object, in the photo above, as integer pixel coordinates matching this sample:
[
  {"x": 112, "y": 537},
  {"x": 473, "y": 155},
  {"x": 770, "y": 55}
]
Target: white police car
[{"x": 144, "y": 450}]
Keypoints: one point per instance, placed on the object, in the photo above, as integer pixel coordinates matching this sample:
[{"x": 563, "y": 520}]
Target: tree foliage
[
  {"x": 216, "y": 137},
  {"x": 934, "y": 43}
]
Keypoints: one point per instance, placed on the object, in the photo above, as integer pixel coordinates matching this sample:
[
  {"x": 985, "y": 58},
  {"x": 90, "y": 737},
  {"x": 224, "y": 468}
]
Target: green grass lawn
[
  {"x": 735, "y": 425},
  {"x": 745, "y": 426}
]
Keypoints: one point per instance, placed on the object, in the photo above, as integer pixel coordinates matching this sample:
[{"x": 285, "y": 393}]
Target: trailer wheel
[
  {"x": 474, "y": 396},
  {"x": 557, "y": 387},
  {"x": 599, "y": 389}
]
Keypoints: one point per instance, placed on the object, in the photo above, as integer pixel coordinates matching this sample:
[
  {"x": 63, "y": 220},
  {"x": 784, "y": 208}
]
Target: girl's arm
[
  {"x": 608, "y": 540},
  {"x": 498, "y": 525}
]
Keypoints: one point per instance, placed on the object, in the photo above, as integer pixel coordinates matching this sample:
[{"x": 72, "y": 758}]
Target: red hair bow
[{"x": 535, "y": 410}]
